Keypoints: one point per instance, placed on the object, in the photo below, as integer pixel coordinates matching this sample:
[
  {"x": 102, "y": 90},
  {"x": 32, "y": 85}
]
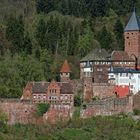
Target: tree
[
  {"x": 40, "y": 32},
  {"x": 45, "y": 6},
  {"x": 98, "y": 7},
  {"x": 15, "y": 33},
  {"x": 119, "y": 30},
  {"x": 47, "y": 60},
  {"x": 27, "y": 44},
  {"x": 84, "y": 44},
  {"x": 105, "y": 38},
  {"x": 42, "y": 108}
]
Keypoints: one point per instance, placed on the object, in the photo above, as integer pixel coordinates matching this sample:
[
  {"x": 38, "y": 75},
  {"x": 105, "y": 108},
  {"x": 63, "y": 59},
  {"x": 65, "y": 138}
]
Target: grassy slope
[{"x": 97, "y": 128}]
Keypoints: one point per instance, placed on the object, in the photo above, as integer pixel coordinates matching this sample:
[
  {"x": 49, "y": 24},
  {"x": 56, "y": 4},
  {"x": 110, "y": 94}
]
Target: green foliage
[
  {"x": 84, "y": 43},
  {"x": 136, "y": 112},
  {"x": 94, "y": 8},
  {"x": 40, "y": 32},
  {"x": 97, "y": 128},
  {"x": 77, "y": 100},
  {"x": 3, "y": 122},
  {"x": 76, "y": 114},
  {"x": 118, "y": 30},
  {"x": 105, "y": 38},
  {"x": 16, "y": 71},
  {"x": 15, "y": 33},
  {"x": 42, "y": 108}
]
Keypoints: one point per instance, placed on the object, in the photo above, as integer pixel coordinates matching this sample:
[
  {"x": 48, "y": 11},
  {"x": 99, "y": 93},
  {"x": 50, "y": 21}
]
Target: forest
[{"x": 37, "y": 35}]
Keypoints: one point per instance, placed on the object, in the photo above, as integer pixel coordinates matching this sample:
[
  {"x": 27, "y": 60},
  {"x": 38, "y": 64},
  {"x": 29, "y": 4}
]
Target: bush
[
  {"x": 136, "y": 112},
  {"x": 42, "y": 108},
  {"x": 77, "y": 100}
]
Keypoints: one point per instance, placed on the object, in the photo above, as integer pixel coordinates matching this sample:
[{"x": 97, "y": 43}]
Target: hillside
[
  {"x": 36, "y": 36},
  {"x": 97, "y": 128}
]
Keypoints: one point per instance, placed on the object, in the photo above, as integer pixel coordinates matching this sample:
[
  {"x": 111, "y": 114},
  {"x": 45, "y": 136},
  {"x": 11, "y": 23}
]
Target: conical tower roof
[
  {"x": 133, "y": 23},
  {"x": 65, "y": 68}
]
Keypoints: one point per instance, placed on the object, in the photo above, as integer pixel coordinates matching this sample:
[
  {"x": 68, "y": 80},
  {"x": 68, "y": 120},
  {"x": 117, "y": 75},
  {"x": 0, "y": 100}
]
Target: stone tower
[
  {"x": 65, "y": 72},
  {"x": 132, "y": 35},
  {"x": 88, "y": 81}
]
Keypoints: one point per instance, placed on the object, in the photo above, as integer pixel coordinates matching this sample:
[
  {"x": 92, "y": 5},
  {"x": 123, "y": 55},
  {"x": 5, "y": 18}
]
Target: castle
[
  {"x": 108, "y": 81},
  {"x": 119, "y": 70}
]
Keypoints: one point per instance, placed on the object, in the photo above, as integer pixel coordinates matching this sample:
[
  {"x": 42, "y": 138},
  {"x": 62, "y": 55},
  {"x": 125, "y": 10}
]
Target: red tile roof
[
  {"x": 120, "y": 56},
  {"x": 122, "y": 91},
  {"x": 65, "y": 68}
]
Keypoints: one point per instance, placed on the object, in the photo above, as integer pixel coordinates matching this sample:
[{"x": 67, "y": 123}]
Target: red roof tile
[
  {"x": 120, "y": 56},
  {"x": 65, "y": 68},
  {"x": 122, "y": 91}
]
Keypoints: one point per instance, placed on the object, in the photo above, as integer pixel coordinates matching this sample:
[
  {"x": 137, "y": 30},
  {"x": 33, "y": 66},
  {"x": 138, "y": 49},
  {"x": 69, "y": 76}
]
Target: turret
[
  {"x": 65, "y": 72},
  {"x": 132, "y": 35}
]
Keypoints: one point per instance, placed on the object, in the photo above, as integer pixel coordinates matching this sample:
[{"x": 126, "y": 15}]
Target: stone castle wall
[
  {"x": 103, "y": 90},
  {"x": 17, "y": 111},
  {"x": 108, "y": 106},
  {"x": 77, "y": 85},
  {"x": 23, "y": 112},
  {"x": 58, "y": 113}
]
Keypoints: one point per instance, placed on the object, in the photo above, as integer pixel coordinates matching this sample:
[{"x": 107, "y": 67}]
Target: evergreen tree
[
  {"x": 27, "y": 44},
  {"x": 119, "y": 30},
  {"x": 15, "y": 33},
  {"x": 46, "y": 6},
  {"x": 40, "y": 33},
  {"x": 84, "y": 44},
  {"x": 105, "y": 38}
]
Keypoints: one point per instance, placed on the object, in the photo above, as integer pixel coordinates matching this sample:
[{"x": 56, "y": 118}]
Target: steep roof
[
  {"x": 42, "y": 87},
  {"x": 120, "y": 56},
  {"x": 96, "y": 54},
  {"x": 39, "y": 87},
  {"x": 133, "y": 23},
  {"x": 66, "y": 88},
  {"x": 65, "y": 67}
]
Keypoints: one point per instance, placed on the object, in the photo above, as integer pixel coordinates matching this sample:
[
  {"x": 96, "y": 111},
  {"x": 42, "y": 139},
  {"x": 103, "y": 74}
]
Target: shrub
[
  {"x": 77, "y": 100},
  {"x": 136, "y": 112},
  {"x": 42, "y": 108}
]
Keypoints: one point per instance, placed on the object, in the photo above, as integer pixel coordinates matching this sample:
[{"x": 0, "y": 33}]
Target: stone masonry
[{"x": 110, "y": 106}]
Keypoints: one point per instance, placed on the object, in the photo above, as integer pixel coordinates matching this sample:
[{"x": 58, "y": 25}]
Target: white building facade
[{"x": 129, "y": 77}]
